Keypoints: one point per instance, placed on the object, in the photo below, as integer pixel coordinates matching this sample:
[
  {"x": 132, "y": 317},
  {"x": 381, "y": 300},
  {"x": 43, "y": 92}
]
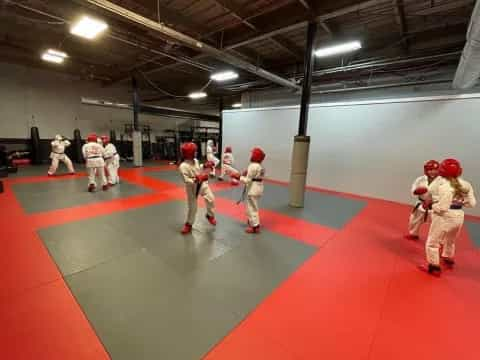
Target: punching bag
[
  {"x": 113, "y": 137},
  {"x": 35, "y": 138},
  {"x": 77, "y": 146}
]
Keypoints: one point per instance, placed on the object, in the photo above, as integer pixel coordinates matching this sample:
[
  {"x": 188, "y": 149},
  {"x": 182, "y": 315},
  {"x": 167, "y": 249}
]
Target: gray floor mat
[
  {"x": 152, "y": 293},
  {"x": 68, "y": 192},
  {"x": 474, "y": 231},
  {"x": 320, "y": 208}
]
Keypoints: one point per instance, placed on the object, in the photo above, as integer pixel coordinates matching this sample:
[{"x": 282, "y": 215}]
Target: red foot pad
[
  {"x": 253, "y": 230},
  {"x": 430, "y": 270},
  {"x": 212, "y": 220},
  {"x": 187, "y": 229}
]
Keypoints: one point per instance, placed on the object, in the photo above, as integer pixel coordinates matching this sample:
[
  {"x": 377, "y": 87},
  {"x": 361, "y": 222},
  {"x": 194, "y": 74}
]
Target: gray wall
[
  {"x": 52, "y": 101},
  {"x": 368, "y": 148}
]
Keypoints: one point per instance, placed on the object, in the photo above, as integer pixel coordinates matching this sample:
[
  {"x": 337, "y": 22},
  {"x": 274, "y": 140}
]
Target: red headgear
[
  {"x": 105, "y": 139},
  {"x": 257, "y": 155},
  {"x": 450, "y": 168},
  {"x": 430, "y": 165},
  {"x": 228, "y": 149},
  {"x": 189, "y": 150},
  {"x": 92, "y": 138}
]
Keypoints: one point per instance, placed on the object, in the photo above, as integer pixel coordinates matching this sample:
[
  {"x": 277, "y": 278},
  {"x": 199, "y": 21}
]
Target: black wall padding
[
  {"x": 36, "y": 150},
  {"x": 77, "y": 146},
  {"x": 113, "y": 137}
]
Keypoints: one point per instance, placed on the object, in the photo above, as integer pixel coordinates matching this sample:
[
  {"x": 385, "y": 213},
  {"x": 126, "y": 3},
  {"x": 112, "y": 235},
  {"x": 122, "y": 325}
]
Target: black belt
[
  {"x": 111, "y": 156},
  {"x": 416, "y": 207},
  {"x": 58, "y": 153},
  {"x": 456, "y": 207},
  {"x": 257, "y": 180},
  {"x": 94, "y": 157}
]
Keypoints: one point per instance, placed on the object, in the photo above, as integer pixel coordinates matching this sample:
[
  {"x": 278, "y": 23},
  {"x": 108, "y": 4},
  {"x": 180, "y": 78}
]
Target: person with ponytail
[{"x": 450, "y": 194}]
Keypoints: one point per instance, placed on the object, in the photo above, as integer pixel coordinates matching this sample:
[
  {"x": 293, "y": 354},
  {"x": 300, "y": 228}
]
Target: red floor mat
[{"x": 362, "y": 297}]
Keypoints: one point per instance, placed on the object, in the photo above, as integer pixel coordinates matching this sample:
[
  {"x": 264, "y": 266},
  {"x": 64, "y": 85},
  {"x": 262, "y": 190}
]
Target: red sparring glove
[
  {"x": 427, "y": 204},
  {"x": 235, "y": 175},
  {"x": 245, "y": 172},
  {"x": 420, "y": 191},
  {"x": 201, "y": 178},
  {"x": 209, "y": 165}
]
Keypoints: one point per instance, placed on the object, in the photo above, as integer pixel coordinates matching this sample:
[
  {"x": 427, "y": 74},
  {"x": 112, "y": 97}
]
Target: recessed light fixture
[
  {"x": 54, "y": 56},
  {"x": 237, "y": 105},
  {"x": 224, "y": 76},
  {"x": 197, "y": 95},
  {"x": 88, "y": 28},
  {"x": 338, "y": 49}
]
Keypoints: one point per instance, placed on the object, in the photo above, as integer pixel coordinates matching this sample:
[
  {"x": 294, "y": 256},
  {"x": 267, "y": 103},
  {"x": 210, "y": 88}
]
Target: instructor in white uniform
[{"x": 58, "y": 154}]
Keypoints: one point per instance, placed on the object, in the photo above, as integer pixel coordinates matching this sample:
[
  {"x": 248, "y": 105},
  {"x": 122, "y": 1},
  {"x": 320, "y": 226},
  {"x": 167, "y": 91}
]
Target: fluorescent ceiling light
[
  {"x": 338, "y": 49},
  {"x": 57, "y": 53},
  {"x": 237, "y": 105},
  {"x": 54, "y": 56},
  {"x": 197, "y": 95},
  {"x": 224, "y": 76},
  {"x": 88, "y": 28}
]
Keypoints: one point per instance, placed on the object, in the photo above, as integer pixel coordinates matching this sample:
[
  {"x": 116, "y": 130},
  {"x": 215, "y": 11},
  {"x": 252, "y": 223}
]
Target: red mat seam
[{"x": 382, "y": 309}]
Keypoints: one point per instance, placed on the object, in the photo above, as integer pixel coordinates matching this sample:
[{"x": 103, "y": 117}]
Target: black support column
[{"x": 301, "y": 145}]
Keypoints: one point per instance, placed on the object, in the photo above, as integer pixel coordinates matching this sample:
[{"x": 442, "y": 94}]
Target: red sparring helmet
[
  {"x": 450, "y": 168},
  {"x": 92, "y": 138},
  {"x": 188, "y": 150},
  {"x": 257, "y": 155},
  {"x": 228, "y": 149},
  {"x": 431, "y": 165},
  {"x": 105, "y": 139}
]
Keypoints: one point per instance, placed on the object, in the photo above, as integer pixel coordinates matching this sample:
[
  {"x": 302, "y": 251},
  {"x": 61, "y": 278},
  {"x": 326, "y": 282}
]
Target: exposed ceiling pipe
[
  {"x": 152, "y": 109},
  {"x": 468, "y": 69},
  {"x": 355, "y": 67},
  {"x": 193, "y": 43},
  {"x": 180, "y": 59},
  {"x": 382, "y": 86}
]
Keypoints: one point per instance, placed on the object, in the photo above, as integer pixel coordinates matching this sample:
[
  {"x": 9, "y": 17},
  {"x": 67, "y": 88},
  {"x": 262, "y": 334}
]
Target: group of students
[
  {"x": 442, "y": 194},
  {"x": 101, "y": 159},
  {"x": 196, "y": 175}
]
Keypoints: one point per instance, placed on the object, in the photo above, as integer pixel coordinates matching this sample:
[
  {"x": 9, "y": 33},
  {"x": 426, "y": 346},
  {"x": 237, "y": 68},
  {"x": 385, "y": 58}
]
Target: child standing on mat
[
  {"x": 421, "y": 214},
  {"x": 211, "y": 150},
  {"x": 253, "y": 180},
  {"x": 93, "y": 154},
  {"x": 227, "y": 166},
  {"x": 196, "y": 183},
  {"x": 450, "y": 194},
  {"x": 112, "y": 161}
]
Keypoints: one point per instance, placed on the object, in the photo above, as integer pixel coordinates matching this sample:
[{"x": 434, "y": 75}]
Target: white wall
[
  {"x": 372, "y": 149},
  {"x": 52, "y": 102}
]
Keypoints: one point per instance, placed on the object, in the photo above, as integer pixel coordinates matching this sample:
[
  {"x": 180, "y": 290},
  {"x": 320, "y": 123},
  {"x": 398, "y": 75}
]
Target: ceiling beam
[
  {"x": 167, "y": 16},
  {"x": 272, "y": 6},
  {"x": 279, "y": 41},
  {"x": 444, "y": 7},
  {"x": 288, "y": 46},
  {"x": 269, "y": 34},
  {"x": 306, "y": 4},
  {"x": 234, "y": 11},
  {"x": 320, "y": 18},
  {"x": 398, "y": 9},
  {"x": 190, "y": 42}
]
